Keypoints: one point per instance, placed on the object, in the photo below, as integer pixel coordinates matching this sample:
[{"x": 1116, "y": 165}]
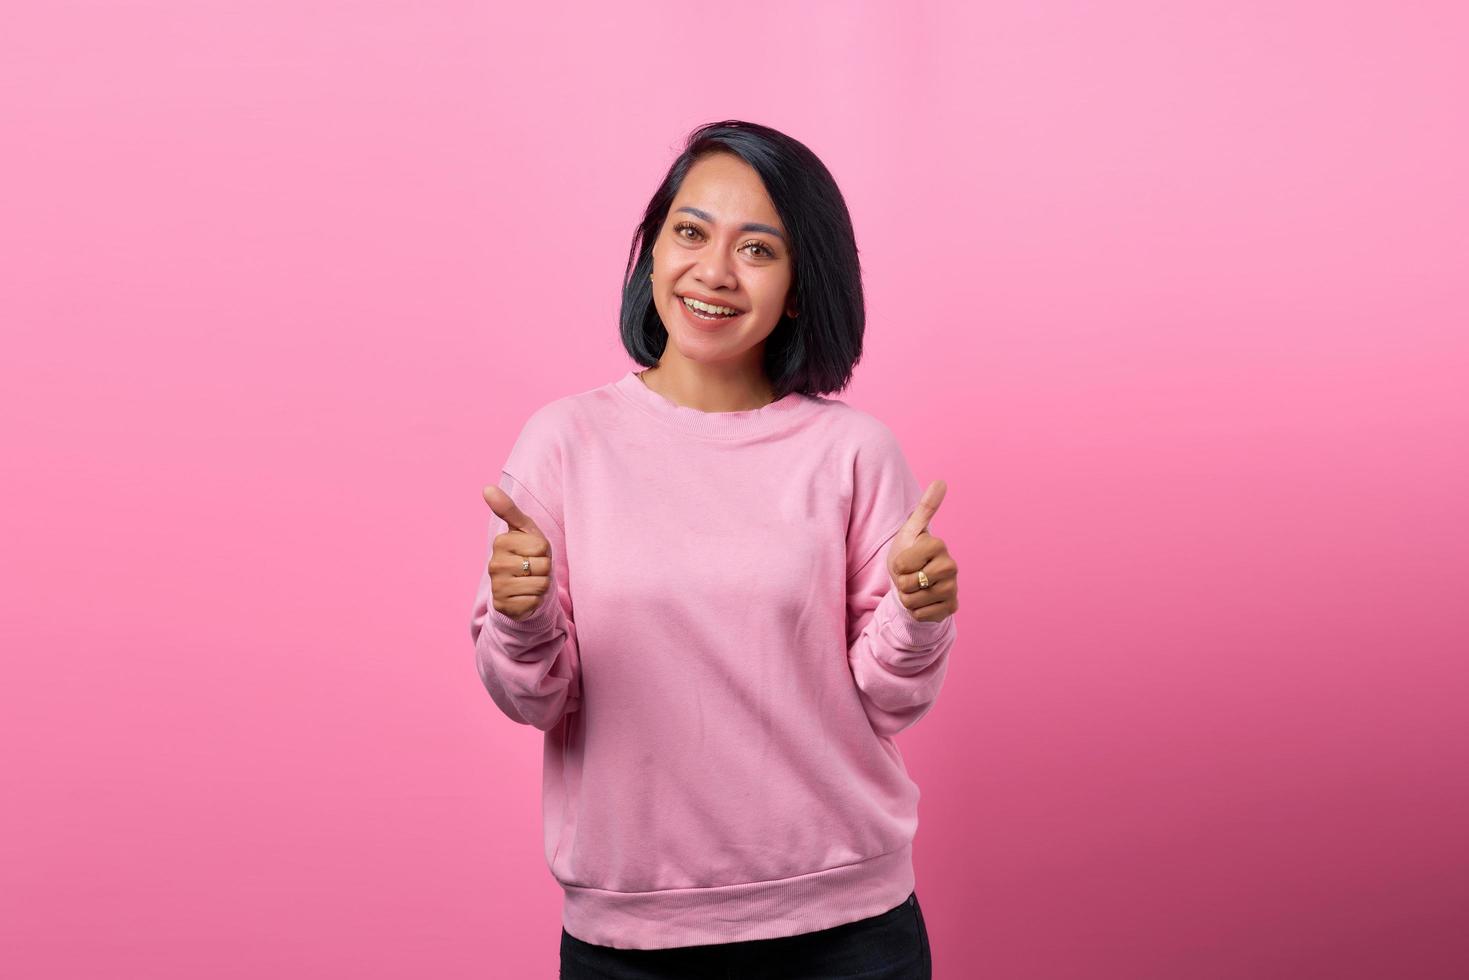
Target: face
[{"x": 722, "y": 242}]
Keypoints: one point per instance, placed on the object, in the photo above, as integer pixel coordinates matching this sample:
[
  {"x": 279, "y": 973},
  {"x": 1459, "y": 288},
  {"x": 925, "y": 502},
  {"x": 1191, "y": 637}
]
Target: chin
[{"x": 700, "y": 349}]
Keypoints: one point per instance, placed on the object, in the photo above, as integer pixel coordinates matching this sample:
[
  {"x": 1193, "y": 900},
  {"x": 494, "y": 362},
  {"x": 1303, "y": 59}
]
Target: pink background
[{"x": 1172, "y": 295}]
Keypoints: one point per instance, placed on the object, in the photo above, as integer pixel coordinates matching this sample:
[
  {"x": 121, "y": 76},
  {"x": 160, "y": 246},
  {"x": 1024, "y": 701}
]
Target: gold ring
[{"x": 922, "y": 579}]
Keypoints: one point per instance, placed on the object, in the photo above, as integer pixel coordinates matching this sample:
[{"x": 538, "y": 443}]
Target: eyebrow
[{"x": 747, "y": 226}]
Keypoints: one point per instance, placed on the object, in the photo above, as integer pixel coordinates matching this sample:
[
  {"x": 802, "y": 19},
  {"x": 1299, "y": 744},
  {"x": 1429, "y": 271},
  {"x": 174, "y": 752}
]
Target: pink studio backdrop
[{"x": 1172, "y": 295}]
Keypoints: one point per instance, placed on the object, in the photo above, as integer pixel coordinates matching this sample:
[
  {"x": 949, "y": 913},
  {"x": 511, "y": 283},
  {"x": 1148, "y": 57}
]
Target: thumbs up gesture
[
  {"x": 922, "y": 570},
  {"x": 520, "y": 561}
]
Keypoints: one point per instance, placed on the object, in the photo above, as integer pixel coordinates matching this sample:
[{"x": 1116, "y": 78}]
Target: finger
[
  {"x": 513, "y": 585},
  {"x": 921, "y": 599},
  {"x": 506, "y": 510},
  {"x": 937, "y": 569},
  {"x": 943, "y": 587},
  {"x": 518, "y": 607},
  {"x": 918, "y": 554},
  {"x": 928, "y": 505},
  {"x": 528, "y": 544},
  {"x": 512, "y": 564},
  {"x": 936, "y": 613}
]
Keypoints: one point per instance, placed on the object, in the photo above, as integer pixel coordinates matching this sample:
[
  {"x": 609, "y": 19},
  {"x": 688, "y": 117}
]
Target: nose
[{"x": 715, "y": 271}]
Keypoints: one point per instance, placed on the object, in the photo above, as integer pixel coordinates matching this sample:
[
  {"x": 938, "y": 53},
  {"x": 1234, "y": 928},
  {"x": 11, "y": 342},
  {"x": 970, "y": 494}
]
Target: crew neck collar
[{"x": 719, "y": 425}]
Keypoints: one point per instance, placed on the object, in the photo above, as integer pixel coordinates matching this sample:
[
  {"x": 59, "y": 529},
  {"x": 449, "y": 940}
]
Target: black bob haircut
[{"x": 815, "y": 353}]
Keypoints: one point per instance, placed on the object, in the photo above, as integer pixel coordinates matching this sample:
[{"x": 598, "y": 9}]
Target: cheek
[
  {"x": 770, "y": 288},
  {"x": 763, "y": 324}
]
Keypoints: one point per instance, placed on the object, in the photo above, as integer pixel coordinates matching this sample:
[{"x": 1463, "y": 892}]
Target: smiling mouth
[{"x": 706, "y": 314}]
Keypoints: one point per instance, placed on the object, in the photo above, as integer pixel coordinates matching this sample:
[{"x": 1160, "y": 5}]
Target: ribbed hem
[{"x": 736, "y": 913}]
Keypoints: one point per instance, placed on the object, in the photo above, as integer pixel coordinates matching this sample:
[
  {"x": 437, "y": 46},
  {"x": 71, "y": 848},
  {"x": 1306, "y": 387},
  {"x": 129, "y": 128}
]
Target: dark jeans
[{"x": 891, "y": 945}]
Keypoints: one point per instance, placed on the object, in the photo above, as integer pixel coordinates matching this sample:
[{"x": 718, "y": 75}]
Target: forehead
[{"x": 729, "y": 190}]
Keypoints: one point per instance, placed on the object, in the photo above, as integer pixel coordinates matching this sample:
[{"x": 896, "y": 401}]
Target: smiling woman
[
  {"x": 746, "y": 233},
  {"x": 716, "y": 589}
]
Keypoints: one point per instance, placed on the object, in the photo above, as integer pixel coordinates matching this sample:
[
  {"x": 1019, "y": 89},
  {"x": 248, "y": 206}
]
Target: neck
[{"x": 709, "y": 390}]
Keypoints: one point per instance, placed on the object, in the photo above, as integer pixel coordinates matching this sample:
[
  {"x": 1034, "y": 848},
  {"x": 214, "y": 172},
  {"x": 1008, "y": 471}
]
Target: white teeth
[{"x": 706, "y": 307}]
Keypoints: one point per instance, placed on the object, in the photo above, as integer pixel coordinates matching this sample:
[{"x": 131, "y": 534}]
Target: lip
[{"x": 708, "y": 326}]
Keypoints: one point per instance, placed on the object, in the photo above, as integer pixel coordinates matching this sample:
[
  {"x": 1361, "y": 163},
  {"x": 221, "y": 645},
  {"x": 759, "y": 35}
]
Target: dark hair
[{"x": 814, "y": 353}]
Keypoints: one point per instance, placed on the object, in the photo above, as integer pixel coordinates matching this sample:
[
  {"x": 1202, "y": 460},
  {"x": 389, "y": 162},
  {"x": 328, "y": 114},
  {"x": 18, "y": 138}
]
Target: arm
[
  {"x": 898, "y": 662},
  {"x": 532, "y": 668}
]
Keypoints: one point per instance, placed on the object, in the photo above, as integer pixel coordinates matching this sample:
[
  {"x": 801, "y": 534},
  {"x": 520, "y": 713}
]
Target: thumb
[
  {"x": 506, "y": 509},
  {"x": 928, "y": 505}
]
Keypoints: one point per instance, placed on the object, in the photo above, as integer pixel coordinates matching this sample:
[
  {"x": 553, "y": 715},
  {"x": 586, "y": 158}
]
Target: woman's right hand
[{"x": 517, "y": 593}]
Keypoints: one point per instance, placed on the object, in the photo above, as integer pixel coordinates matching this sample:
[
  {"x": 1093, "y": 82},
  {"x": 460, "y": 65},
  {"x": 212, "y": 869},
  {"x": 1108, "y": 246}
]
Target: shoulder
[
  {"x": 882, "y": 488},
  {"x": 548, "y": 439},
  {"x": 550, "y": 432},
  {"x": 565, "y": 417},
  {"x": 869, "y": 440}
]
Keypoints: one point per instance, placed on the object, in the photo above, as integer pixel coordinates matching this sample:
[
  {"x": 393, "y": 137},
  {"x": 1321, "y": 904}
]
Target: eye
[{"x": 683, "y": 226}]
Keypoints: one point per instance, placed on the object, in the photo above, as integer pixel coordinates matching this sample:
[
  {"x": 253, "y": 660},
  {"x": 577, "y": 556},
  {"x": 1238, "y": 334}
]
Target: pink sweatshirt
[{"x": 723, "y": 668}]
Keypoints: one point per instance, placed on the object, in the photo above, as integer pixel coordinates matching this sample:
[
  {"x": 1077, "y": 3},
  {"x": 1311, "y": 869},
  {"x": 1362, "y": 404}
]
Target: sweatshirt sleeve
[
  {"x": 898, "y": 662},
  {"x": 531, "y": 668}
]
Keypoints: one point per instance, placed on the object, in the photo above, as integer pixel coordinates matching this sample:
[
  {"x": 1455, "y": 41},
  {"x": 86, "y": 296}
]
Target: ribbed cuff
[
  {"x": 540, "y": 621},
  {"x": 906, "y": 633}
]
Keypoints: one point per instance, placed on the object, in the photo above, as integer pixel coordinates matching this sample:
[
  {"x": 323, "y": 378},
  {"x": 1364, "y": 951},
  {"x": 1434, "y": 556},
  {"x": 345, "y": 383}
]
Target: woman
[{"x": 715, "y": 590}]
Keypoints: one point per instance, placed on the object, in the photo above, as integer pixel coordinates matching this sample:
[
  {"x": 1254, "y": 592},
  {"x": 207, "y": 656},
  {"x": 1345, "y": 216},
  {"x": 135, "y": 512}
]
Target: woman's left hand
[{"x": 915, "y": 550}]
